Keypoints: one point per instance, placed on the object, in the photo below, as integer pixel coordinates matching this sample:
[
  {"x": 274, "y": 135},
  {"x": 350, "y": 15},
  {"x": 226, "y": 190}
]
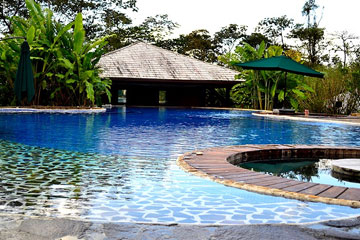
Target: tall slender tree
[
  {"x": 276, "y": 28},
  {"x": 229, "y": 37},
  {"x": 311, "y": 36},
  {"x": 346, "y": 46}
]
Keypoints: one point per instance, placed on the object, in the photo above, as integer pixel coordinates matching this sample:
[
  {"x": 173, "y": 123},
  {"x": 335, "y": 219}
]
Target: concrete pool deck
[
  {"x": 14, "y": 227},
  {"x": 349, "y": 120},
  {"x": 51, "y": 110},
  {"x": 218, "y": 164},
  {"x": 349, "y": 167}
]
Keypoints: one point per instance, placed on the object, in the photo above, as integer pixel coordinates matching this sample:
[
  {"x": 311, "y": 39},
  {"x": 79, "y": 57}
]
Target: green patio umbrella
[
  {"x": 24, "y": 82},
  {"x": 280, "y": 63}
]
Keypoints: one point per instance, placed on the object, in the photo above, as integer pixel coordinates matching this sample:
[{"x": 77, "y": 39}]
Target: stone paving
[{"x": 20, "y": 228}]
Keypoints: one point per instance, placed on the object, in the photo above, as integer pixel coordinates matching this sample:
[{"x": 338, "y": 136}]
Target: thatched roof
[{"x": 148, "y": 62}]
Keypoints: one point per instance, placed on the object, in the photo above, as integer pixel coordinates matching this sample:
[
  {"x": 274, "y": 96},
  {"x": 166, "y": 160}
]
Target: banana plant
[
  {"x": 260, "y": 82},
  {"x": 81, "y": 62},
  {"x": 64, "y": 62},
  {"x": 9, "y": 57},
  {"x": 43, "y": 35},
  {"x": 248, "y": 53},
  {"x": 264, "y": 85}
]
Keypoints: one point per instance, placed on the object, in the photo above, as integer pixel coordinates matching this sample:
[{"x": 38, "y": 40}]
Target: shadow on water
[
  {"x": 306, "y": 170},
  {"x": 298, "y": 170}
]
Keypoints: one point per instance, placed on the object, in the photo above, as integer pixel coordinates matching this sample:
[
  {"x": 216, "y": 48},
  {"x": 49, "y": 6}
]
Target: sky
[{"x": 337, "y": 15}]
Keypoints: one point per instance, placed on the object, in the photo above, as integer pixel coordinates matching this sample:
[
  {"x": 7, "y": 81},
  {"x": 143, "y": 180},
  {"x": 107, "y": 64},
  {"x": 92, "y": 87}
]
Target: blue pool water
[{"x": 121, "y": 166}]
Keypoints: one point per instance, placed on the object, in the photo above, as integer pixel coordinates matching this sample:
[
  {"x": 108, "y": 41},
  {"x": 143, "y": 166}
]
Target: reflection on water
[
  {"x": 345, "y": 178},
  {"x": 306, "y": 170},
  {"x": 298, "y": 170},
  {"x": 37, "y": 176},
  {"x": 46, "y": 182},
  {"x": 121, "y": 166}
]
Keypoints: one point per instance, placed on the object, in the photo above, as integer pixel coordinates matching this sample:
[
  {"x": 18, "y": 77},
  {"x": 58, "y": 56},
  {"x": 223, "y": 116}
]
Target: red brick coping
[{"x": 217, "y": 164}]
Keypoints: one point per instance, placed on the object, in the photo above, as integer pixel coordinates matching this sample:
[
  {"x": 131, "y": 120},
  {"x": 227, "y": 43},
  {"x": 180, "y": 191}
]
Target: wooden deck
[{"x": 218, "y": 165}]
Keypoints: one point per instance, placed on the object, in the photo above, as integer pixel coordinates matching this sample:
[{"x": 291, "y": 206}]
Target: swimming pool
[{"x": 121, "y": 166}]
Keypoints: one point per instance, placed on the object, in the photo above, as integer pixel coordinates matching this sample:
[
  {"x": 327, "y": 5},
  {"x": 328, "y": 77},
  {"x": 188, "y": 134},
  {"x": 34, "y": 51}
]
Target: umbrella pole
[{"x": 284, "y": 103}]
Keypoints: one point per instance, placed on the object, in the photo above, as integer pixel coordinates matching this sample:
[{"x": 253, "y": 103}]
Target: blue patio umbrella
[{"x": 24, "y": 82}]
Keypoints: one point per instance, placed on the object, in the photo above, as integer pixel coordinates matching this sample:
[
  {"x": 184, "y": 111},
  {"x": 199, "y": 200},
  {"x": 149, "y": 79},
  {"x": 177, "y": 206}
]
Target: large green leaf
[
  {"x": 18, "y": 22},
  {"x": 30, "y": 35},
  {"x": 67, "y": 63},
  {"x": 35, "y": 13},
  {"x": 79, "y": 38},
  {"x": 90, "y": 91},
  {"x": 108, "y": 94},
  {"x": 281, "y": 96},
  {"x": 98, "y": 42},
  {"x": 3, "y": 55},
  {"x": 79, "y": 34},
  {"x": 70, "y": 81},
  {"x": 294, "y": 103},
  {"x": 62, "y": 32},
  {"x": 37, "y": 58},
  {"x": 307, "y": 87},
  {"x": 299, "y": 93},
  {"x": 49, "y": 23},
  {"x": 59, "y": 75},
  {"x": 78, "y": 23},
  {"x": 273, "y": 90},
  {"x": 261, "y": 49}
]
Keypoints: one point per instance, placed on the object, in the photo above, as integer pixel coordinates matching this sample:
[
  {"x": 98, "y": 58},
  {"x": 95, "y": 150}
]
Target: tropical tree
[
  {"x": 9, "y": 56},
  {"x": 198, "y": 44},
  {"x": 275, "y": 28},
  {"x": 94, "y": 11},
  {"x": 64, "y": 62},
  {"x": 80, "y": 59},
  {"x": 346, "y": 46},
  {"x": 152, "y": 29},
  {"x": 255, "y": 39},
  {"x": 256, "y": 81},
  {"x": 311, "y": 36},
  {"x": 229, "y": 37},
  {"x": 265, "y": 88},
  {"x": 339, "y": 85},
  {"x": 11, "y": 8}
]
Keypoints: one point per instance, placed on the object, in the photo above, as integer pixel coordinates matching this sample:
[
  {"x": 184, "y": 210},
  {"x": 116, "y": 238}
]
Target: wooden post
[
  {"x": 227, "y": 97},
  {"x": 114, "y": 95}
]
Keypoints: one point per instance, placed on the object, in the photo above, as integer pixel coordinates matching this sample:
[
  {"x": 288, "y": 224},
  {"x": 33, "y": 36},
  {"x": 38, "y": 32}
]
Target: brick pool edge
[{"x": 216, "y": 164}]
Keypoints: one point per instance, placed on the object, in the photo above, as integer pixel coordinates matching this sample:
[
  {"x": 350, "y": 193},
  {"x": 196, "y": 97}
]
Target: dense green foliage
[
  {"x": 264, "y": 89},
  {"x": 64, "y": 62},
  {"x": 339, "y": 85},
  {"x": 96, "y": 11}
]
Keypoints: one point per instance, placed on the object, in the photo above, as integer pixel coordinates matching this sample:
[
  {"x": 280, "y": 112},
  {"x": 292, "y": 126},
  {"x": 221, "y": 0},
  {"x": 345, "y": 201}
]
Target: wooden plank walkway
[{"x": 218, "y": 165}]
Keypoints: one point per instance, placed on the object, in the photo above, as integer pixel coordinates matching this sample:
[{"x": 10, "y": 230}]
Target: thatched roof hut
[{"x": 143, "y": 69}]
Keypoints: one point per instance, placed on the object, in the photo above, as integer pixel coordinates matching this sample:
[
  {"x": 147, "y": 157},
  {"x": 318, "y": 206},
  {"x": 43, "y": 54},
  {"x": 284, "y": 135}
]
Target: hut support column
[
  {"x": 114, "y": 95},
  {"x": 227, "y": 97}
]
